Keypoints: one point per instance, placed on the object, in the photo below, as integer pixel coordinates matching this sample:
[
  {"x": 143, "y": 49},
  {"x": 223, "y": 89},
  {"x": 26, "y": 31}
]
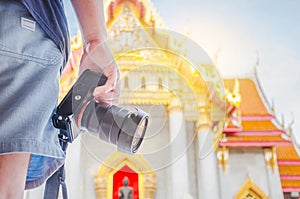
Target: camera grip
[{"x": 80, "y": 92}]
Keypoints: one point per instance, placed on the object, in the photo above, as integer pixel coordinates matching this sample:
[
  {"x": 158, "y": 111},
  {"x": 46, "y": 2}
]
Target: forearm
[
  {"x": 97, "y": 55},
  {"x": 91, "y": 19}
]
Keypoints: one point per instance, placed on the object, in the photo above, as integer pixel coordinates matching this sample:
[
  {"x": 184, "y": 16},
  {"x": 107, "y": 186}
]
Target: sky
[{"x": 243, "y": 32}]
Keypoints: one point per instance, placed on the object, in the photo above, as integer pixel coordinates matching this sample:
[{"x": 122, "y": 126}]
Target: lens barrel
[{"x": 117, "y": 125}]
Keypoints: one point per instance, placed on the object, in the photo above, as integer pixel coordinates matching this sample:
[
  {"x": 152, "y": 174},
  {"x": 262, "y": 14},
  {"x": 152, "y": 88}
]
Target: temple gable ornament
[{"x": 250, "y": 190}]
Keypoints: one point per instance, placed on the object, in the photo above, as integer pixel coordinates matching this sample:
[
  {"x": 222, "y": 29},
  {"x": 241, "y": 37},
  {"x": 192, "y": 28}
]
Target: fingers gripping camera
[{"x": 79, "y": 112}]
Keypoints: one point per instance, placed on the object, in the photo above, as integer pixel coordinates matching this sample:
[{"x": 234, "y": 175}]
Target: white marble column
[
  {"x": 207, "y": 164},
  {"x": 274, "y": 183},
  {"x": 179, "y": 166}
]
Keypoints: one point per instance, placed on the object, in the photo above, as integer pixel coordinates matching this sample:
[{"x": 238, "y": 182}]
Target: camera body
[
  {"x": 71, "y": 105},
  {"x": 78, "y": 112}
]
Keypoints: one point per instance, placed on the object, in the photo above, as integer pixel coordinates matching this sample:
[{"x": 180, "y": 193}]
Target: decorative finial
[
  {"x": 273, "y": 106},
  {"x": 234, "y": 97},
  {"x": 255, "y": 68},
  {"x": 257, "y": 59},
  {"x": 216, "y": 58},
  {"x": 282, "y": 121},
  {"x": 236, "y": 89},
  {"x": 290, "y": 130},
  {"x": 248, "y": 176},
  {"x": 186, "y": 31}
]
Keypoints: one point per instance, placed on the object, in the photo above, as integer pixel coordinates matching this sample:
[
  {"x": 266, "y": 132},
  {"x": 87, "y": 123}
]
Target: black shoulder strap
[{"x": 57, "y": 179}]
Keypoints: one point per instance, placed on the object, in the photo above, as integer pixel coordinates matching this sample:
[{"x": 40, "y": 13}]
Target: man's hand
[
  {"x": 97, "y": 55},
  {"x": 98, "y": 58}
]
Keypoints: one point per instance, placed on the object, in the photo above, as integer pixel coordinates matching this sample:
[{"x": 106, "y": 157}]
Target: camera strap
[{"x": 58, "y": 178}]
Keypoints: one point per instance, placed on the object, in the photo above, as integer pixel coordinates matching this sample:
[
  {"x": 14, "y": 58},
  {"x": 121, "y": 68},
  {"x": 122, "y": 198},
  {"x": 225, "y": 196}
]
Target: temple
[{"x": 208, "y": 138}]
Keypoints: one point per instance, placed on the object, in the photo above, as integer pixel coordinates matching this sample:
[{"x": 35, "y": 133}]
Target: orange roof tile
[
  {"x": 251, "y": 103},
  {"x": 287, "y": 153},
  {"x": 289, "y": 170},
  {"x": 258, "y": 125},
  {"x": 290, "y": 183},
  {"x": 252, "y": 110}
]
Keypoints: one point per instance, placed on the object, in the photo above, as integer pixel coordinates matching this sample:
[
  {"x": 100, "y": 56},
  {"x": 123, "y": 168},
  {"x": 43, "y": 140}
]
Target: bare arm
[
  {"x": 96, "y": 54},
  {"x": 91, "y": 19}
]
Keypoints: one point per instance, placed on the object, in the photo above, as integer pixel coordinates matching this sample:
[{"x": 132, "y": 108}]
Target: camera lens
[
  {"x": 139, "y": 135},
  {"x": 117, "y": 125}
]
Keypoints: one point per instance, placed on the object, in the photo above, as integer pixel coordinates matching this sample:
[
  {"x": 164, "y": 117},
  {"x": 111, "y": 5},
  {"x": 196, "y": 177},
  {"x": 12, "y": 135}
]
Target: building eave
[
  {"x": 288, "y": 162},
  {"x": 255, "y": 144},
  {"x": 290, "y": 189},
  {"x": 255, "y": 133},
  {"x": 257, "y": 117}
]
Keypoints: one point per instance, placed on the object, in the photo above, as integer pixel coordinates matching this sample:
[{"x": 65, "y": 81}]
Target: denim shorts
[{"x": 30, "y": 66}]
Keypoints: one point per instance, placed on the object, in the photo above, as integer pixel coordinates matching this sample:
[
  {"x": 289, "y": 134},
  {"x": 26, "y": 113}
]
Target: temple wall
[{"x": 242, "y": 163}]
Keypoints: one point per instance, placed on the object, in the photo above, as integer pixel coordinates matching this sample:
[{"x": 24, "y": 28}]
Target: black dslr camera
[{"x": 79, "y": 112}]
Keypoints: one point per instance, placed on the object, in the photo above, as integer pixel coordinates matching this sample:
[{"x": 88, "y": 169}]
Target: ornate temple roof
[
  {"x": 252, "y": 124},
  {"x": 145, "y": 10}
]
